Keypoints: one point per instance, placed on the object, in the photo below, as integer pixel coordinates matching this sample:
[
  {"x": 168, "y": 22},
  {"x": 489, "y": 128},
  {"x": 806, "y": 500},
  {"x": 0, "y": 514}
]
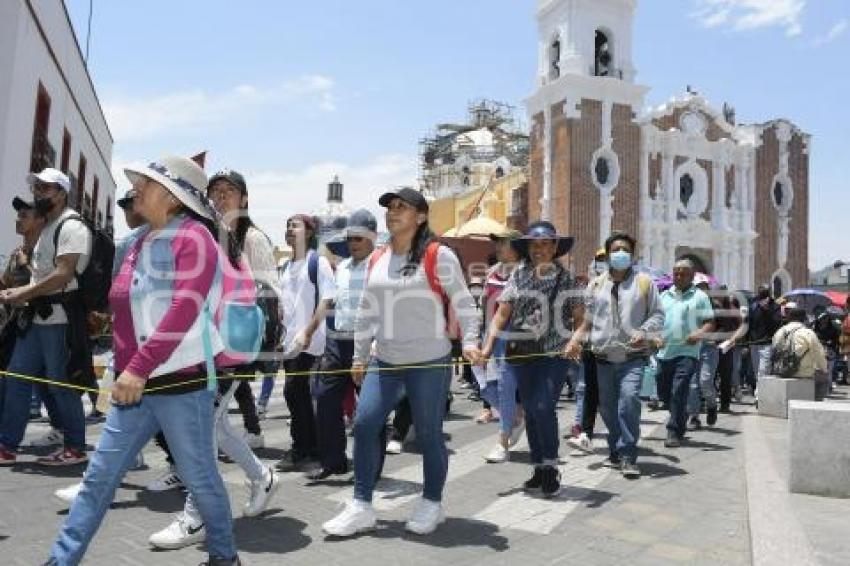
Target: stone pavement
[{"x": 690, "y": 506}]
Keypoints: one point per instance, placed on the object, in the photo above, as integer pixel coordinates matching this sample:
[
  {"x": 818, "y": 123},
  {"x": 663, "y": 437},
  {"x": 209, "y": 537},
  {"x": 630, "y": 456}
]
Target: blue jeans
[
  {"x": 187, "y": 422},
  {"x": 41, "y": 352},
  {"x": 675, "y": 377},
  {"x": 619, "y": 403},
  {"x": 702, "y": 382},
  {"x": 501, "y": 394},
  {"x": 427, "y": 389},
  {"x": 540, "y": 383}
]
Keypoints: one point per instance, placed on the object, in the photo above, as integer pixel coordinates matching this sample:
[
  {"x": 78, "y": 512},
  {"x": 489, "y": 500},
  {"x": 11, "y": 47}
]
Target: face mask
[
  {"x": 43, "y": 205},
  {"x": 600, "y": 267},
  {"x": 620, "y": 260}
]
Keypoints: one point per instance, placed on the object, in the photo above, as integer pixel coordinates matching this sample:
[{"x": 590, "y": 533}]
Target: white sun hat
[{"x": 182, "y": 177}]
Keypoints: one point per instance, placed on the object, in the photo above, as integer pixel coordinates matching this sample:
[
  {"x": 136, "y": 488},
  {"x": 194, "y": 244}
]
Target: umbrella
[{"x": 810, "y": 299}]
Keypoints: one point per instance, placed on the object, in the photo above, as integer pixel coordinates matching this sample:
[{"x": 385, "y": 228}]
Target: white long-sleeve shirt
[{"x": 406, "y": 318}]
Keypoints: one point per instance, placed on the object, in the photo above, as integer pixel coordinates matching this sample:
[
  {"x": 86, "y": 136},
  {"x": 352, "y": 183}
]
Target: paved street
[{"x": 691, "y": 506}]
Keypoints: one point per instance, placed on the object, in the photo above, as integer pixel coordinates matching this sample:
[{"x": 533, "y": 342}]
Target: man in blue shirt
[{"x": 688, "y": 317}]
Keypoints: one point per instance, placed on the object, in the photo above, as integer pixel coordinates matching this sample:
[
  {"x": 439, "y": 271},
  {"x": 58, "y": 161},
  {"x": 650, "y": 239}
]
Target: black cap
[
  {"x": 411, "y": 196},
  {"x": 18, "y": 204},
  {"x": 233, "y": 177}
]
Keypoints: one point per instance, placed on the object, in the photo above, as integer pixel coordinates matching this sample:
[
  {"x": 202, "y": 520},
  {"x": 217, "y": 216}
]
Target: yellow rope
[{"x": 307, "y": 373}]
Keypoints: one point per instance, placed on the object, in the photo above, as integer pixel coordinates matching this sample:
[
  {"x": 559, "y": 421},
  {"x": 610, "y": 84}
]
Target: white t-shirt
[
  {"x": 74, "y": 238},
  {"x": 299, "y": 300}
]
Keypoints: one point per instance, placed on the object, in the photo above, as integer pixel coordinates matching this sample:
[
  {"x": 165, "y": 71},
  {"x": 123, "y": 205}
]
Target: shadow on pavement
[
  {"x": 271, "y": 535},
  {"x": 454, "y": 533},
  {"x": 659, "y": 470},
  {"x": 33, "y": 469}
]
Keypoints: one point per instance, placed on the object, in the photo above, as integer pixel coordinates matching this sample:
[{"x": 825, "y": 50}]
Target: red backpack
[{"x": 429, "y": 263}]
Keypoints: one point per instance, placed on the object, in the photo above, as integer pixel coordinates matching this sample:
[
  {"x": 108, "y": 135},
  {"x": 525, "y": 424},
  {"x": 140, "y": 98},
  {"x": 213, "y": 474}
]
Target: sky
[{"x": 292, "y": 93}]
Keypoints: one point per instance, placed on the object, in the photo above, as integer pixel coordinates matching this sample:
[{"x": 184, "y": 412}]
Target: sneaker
[
  {"x": 7, "y": 457},
  {"x": 214, "y": 561},
  {"x": 357, "y": 517},
  {"x": 426, "y": 517},
  {"x": 711, "y": 416},
  {"x": 536, "y": 480},
  {"x": 68, "y": 494},
  {"x": 672, "y": 440},
  {"x": 551, "y": 484},
  {"x": 321, "y": 474},
  {"x": 394, "y": 447},
  {"x": 180, "y": 533},
  {"x": 612, "y": 461},
  {"x": 254, "y": 441},
  {"x": 516, "y": 433},
  {"x": 261, "y": 493},
  {"x": 694, "y": 423},
  {"x": 630, "y": 470},
  {"x": 53, "y": 437},
  {"x": 63, "y": 457},
  {"x": 95, "y": 417},
  {"x": 582, "y": 442},
  {"x": 497, "y": 455},
  {"x": 294, "y": 462},
  {"x": 168, "y": 480}
]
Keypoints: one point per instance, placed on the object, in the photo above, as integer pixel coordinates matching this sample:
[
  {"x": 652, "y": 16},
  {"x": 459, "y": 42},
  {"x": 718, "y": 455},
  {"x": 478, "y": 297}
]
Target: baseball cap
[
  {"x": 233, "y": 177},
  {"x": 50, "y": 176},
  {"x": 411, "y": 196},
  {"x": 19, "y": 204},
  {"x": 361, "y": 223}
]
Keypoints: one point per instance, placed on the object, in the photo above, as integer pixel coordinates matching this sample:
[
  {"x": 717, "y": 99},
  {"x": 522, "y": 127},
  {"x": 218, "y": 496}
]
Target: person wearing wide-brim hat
[
  {"x": 538, "y": 335},
  {"x": 172, "y": 269}
]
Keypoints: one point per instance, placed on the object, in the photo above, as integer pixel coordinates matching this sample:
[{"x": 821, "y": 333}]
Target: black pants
[
  {"x": 402, "y": 420},
  {"x": 160, "y": 441},
  {"x": 724, "y": 368},
  {"x": 299, "y": 401},
  {"x": 330, "y": 394},
  {"x": 245, "y": 399},
  {"x": 591, "y": 393}
]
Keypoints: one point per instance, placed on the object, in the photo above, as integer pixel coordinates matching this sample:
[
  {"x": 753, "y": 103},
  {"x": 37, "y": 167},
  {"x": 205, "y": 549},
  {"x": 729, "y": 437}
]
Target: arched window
[
  {"x": 686, "y": 189},
  {"x": 500, "y": 172},
  {"x": 777, "y": 287},
  {"x": 603, "y": 56},
  {"x": 778, "y": 194},
  {"x": 555, "y": 59},
  {"x": 466, "y": 173}
]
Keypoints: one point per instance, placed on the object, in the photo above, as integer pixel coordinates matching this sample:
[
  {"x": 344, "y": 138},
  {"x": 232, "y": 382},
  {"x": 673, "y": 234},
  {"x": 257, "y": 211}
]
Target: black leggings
[{"x": 591, "y": 393}]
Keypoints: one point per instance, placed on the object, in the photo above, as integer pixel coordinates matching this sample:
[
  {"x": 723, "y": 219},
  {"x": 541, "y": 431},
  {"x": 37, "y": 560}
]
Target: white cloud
[
  {"x": 276, "y": 195},
  {"x": 740, "y": 15},
  {"x": 133, "y": 119},
  {"x": 836, "y": 31}
]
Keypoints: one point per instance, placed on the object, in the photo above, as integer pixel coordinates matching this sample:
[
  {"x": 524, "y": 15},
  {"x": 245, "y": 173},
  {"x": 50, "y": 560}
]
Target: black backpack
[
  {"x": 96, "y": 280},
  {"x": 784, "y": 359}
]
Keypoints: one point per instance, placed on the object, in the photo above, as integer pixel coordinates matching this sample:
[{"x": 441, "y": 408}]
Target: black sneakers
[
  {"x": 673, "y": 440},
  {"x": 551, "y": 483},
  {"x": 711, "y": 416},
  {"x": 536, "y": 481}
]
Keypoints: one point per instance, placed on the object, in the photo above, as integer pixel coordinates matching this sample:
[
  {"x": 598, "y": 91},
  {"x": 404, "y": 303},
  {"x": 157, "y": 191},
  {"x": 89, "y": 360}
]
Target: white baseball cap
[{"x": 50, "y": 176}]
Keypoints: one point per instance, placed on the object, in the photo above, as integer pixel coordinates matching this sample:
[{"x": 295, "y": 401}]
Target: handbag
[{"x": 533, "y": 329}]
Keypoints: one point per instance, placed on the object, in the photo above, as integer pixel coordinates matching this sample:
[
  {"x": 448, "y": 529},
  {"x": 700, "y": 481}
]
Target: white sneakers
[
  {"x": 68, "y": 494},
  {"x": 497, "y": 455},
  {"x": 168, "y": 480},
  {"x": 182, "y": 532},
  {"x": 53, "y": 437},
  {"x": 254, "y": 441},
  {"x": 426, "y": 517},
  {"x": 581, "y": 442},
  {"x": 359, "y": 516},
  {"x": 394, "y": 447},
  {"x": 261, "y": 493}
]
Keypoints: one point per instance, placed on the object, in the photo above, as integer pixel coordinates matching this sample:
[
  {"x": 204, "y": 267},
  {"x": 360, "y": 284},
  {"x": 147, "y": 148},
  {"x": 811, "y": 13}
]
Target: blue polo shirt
[{"x": 684, "y": 313}]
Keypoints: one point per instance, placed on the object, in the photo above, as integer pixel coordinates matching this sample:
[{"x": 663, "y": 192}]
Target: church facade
[{"x": 685, "y": 178}]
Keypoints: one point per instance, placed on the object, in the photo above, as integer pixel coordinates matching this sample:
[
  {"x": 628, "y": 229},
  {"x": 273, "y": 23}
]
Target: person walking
[{"x": 412, "y": 278}]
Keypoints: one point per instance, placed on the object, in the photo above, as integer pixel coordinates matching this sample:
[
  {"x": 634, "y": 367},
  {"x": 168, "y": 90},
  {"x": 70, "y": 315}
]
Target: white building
[{"x": 49, "y": 113}]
